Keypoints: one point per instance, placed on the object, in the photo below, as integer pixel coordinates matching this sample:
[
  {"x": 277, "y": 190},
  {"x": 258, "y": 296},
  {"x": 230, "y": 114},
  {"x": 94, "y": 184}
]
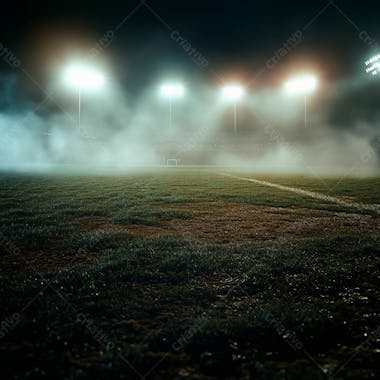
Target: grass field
[{"x": 188, "y": 275}]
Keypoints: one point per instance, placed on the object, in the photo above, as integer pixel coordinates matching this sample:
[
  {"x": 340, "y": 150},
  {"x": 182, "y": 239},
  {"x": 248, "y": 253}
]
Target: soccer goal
[{"x": 171, "y": 162}]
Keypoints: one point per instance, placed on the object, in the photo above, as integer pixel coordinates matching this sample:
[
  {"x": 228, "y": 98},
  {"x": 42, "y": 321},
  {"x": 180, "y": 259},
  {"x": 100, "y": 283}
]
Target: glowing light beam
[
  {"x": 81, "y": 78},
  {"x": 233, "y": 93},
  {"x": 302, "y": 85},
  {"x": 172, "y": 91}
]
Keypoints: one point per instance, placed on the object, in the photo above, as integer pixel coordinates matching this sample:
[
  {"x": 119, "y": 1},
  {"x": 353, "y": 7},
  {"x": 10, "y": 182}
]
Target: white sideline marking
[{"x": 312, "y": 194}]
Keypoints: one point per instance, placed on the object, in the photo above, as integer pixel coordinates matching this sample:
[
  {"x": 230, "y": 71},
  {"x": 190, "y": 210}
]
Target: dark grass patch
[{"x": 231, "y": 311}]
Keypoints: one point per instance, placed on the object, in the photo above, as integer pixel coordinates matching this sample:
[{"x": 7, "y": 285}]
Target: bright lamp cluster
[
  {"x": 301, "y": 85},
  {"x": 373, "y": 65},
  {"x": 172, "y": 90},
  {"x": 84, "y": 77},
  {"x": 233, "y": 92}
]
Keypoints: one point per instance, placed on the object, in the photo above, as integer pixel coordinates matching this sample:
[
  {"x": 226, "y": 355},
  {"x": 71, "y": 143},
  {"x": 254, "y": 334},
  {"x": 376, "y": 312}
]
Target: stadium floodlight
[
  {"x": 302, "y": 85},
  {"x": 373, "y": 65},
  {"x": 172, "y": 91},
  {"x": 83, "y": 78},
  {"x": 233, "y": 93}
]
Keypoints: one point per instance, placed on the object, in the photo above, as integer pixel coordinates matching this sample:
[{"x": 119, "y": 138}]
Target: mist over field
[
  {"x": 190, "y": 190},
  {"x": 121, "y": 130}
]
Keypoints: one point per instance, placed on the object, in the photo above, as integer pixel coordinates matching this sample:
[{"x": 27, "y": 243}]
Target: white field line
[{"x": 312, "y": 194}]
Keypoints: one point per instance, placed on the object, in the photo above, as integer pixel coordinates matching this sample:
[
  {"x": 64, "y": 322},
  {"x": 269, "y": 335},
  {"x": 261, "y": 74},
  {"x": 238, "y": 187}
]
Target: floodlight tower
[
  {"x": 373, "y": 65},
  {"x": 304, "y": 85},
  {"x": 233, "y": 93},
  {"x": 83, "y": 78},
  {"x": 172, "y": 91}
]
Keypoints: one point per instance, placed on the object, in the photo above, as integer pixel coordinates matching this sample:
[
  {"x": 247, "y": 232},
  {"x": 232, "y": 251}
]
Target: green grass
[{"x": 211, "y": 310}]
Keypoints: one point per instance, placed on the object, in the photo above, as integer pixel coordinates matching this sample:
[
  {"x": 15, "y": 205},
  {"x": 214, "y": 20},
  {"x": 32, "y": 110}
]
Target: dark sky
[{"x": 236, "y": 37}]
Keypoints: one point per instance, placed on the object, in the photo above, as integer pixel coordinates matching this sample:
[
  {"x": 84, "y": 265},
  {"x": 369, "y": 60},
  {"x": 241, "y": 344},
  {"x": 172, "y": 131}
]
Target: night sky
[{"x": 237, "y": 38}]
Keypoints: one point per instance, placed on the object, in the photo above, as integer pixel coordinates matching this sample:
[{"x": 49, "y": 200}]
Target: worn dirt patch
[
  {"x": 225, "y": 223},
  {"x": 213, "y": 222},
  {"x": 38, "y": 262}
]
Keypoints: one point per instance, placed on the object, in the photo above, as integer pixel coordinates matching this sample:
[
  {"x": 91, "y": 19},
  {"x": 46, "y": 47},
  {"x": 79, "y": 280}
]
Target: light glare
[
  {"x": 84, "y": 77},
  {"x": 233, "y": 92},
  {"x": 301, "y": 85},
  {"x": 172, "y": 90}
]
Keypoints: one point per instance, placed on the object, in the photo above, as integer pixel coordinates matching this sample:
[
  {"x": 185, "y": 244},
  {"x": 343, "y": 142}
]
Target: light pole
[
  {"x": 172, "y": 91},
  {"x": 302, "y": 85},
  {"x": 79, "y": 105},
  {"x": 83, "y": 78},
  {"x": 233, "y": 93}
]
